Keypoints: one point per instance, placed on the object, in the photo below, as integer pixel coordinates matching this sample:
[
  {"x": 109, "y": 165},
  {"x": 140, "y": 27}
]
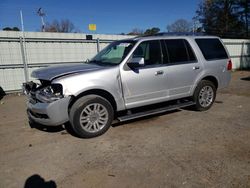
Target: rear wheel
[
  {"x": 91, "y": 116},
  {"x": 204, "y": 95}
]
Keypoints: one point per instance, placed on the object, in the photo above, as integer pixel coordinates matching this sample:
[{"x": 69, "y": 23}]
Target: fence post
[
  {"x": 98, "y": 45},
  {"x": 242, "y": 56},
  {"x": 24, "y": 59}
]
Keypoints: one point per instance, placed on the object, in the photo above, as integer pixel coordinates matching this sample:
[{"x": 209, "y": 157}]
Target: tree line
[
  {"x": 223, "y": 18},
  {"x": 62, "y": 26}
]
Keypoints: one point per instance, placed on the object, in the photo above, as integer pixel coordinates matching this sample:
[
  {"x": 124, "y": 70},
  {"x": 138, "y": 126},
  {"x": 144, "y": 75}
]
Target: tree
[
  {"x": 220, "y": 18},
  {"x": 243, "y": 10},
  {"x": 63, "y": 26},
  {"x": 11, "y": 29},
  {"x": 7, "y": 29},
  {"x": 136, "y": 31},
  {"x": 152, "y": 31},
  {"x": 180, "y": 25},
  {"x": 15, "y": 29}
]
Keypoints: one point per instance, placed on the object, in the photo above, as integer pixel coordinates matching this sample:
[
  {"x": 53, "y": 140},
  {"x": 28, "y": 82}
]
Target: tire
[
  {"x": 91, "y": 116},
  {"x": 204, "y": 95}
]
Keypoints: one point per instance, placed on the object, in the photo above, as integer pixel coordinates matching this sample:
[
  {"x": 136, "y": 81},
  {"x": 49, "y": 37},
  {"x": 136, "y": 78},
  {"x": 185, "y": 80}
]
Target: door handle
[
  {"x": 160, "y": 72},
  {"x": 196, "y": 67}
]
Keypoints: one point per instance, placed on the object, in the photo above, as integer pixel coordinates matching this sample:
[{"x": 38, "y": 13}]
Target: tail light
[{"x": 229, "y": 65}]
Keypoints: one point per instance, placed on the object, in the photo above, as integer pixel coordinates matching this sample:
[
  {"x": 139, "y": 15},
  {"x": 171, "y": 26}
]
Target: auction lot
[{"x": 183, "y": 148}]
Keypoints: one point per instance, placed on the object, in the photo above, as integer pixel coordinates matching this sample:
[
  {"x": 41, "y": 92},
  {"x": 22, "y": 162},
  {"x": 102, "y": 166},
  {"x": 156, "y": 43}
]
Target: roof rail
[{"x": 178, "y": 34}]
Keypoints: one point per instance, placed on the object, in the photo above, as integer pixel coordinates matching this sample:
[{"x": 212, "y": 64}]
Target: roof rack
[{"x": 178, "y": 34}]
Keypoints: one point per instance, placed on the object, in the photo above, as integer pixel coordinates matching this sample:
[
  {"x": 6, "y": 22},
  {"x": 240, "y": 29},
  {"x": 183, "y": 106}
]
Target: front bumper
[{"x": 51, "y": 114}]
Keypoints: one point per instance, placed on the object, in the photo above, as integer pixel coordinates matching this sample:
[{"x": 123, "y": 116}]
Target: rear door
[{"x": 182, "y": 68}]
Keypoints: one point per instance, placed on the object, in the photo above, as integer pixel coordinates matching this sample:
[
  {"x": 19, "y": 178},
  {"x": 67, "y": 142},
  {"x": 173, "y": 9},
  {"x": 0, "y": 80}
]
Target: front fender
[{"x": 108, "y": 81}]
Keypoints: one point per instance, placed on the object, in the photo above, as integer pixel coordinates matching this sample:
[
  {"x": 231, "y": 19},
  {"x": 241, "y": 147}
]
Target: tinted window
[
  {"x": 150, "y": 51},
  {"x": 211, "y": 49},
  {"x": 176, "y": 50},
  {"x": 164, "y": 52},
  {"x": 190, "y": 52}
]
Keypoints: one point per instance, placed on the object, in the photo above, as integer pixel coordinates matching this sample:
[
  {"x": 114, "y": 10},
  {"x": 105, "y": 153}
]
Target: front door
[{"x": 145, "y": 84}]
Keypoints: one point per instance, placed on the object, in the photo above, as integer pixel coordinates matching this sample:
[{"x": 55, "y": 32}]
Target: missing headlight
[
  {"x": 28, "y": 87},
  {"x": 50, "y": 93}
]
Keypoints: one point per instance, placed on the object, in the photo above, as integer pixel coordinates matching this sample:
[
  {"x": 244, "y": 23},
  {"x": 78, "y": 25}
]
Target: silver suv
[{"x": 130, "y": 79}]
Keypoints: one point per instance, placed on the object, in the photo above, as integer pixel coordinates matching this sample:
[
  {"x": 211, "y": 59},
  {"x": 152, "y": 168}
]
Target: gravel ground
[{"x": 177, "y": 149}]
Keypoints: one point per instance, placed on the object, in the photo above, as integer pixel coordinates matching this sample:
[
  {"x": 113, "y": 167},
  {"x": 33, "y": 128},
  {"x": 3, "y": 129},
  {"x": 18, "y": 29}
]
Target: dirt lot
[{"x": 178, "y": 149}]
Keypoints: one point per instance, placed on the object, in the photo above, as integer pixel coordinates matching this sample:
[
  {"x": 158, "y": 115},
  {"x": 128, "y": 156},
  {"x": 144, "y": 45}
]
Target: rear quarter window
[{"x": 212, "y": 49}]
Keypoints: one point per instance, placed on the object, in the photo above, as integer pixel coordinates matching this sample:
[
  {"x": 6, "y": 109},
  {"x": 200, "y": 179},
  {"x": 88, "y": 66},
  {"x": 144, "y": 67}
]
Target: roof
[
  {"x": 173, "y": 35},
  {"x": 170, "y": 35}
]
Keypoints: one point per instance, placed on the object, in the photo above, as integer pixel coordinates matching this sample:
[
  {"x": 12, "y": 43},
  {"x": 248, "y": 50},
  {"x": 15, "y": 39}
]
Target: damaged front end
[
  {"x": 44, "y": 91},
  {"x": 46, "y": 103}
]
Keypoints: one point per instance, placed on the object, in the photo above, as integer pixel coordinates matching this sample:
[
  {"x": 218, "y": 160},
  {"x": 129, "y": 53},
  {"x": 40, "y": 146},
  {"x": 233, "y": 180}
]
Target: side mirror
[{"x": 136, "y": 62}]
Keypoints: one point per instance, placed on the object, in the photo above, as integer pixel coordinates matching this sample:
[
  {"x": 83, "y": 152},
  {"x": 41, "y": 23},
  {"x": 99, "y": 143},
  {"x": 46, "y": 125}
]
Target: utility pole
[
  {"x": 23, "y": 49},
  {"x": 41, "y": 14},
  {"x": 21, "y": 17}
]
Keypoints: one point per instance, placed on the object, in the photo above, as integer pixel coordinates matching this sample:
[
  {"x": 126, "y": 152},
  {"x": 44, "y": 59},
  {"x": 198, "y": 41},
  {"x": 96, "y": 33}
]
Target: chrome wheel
[
  {"x": 206, "y": 96},
  {"x": 93, "y": 117}
]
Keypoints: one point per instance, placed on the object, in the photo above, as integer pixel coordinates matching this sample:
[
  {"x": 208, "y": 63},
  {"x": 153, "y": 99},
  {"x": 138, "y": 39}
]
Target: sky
[{"x": 110, "y": 16}]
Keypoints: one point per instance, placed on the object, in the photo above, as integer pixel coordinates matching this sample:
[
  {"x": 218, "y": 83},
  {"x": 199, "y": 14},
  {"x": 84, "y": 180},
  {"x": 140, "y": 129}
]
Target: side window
[
  {"x": 176, "y": 50},
  {"x": 191, "y": 56},
  {"x": 150, "y": 51},
  {"x": 211, "y": 49},
  {"x": 164, "y": 52}
]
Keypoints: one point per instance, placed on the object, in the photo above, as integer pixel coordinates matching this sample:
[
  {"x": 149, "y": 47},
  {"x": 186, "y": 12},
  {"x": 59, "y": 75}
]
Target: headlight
[{"x": 50, "y": 93}]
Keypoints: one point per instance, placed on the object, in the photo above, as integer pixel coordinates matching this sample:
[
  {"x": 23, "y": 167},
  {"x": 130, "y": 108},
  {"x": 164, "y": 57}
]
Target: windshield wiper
[
  {"x": 94, "y": 62},
  {"x": 101, "y": 63}
]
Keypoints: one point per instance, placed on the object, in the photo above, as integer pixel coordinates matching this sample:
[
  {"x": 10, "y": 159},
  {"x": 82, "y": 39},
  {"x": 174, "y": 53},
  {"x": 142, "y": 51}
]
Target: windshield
[{"x": 114, "y": 53}]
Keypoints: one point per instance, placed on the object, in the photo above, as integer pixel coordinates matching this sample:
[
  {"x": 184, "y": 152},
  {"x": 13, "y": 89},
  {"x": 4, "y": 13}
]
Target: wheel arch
[
  {"x": 212, "y": 79},
  {"x": 100, "y": 92}
]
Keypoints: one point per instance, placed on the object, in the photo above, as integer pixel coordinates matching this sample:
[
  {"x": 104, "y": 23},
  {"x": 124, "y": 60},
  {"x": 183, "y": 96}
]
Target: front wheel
[
  {"x": 204, "y": 95},
  {"x": 91, "y": 116}
]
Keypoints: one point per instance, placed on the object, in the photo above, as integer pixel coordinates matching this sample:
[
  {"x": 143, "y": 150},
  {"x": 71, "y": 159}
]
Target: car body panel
[
  {"x": 50, "y": 73},
  {"x": 107, "y": 79}
]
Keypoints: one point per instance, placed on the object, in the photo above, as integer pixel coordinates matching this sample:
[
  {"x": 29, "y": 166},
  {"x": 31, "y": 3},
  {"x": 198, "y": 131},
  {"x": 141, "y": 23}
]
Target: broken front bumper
[{"x": 51, "y": 114}]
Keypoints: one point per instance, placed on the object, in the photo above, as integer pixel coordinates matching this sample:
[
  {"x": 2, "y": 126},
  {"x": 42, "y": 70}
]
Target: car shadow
[
  {"x": 2, "y": 93},
  {"x": 67, "y": 128},
  {"x": 36, "y": 181},
  {"x": 192, "y": 108},
  {"x": 246, "y": 78},
  {"x": 64, "y": 129},
  {"x": 218, "y": 102},
  {"x": 49, "y": 129},
  {"x": 148, "y": 118}
]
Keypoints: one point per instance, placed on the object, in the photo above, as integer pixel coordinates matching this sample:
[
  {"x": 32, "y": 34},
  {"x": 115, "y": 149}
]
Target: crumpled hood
[{"x": 50, "y": 73}]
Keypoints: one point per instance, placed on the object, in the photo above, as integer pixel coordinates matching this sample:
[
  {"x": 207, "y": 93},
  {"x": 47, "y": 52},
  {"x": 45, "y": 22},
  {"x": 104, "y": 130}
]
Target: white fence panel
[
  {"x": 43, "y": 49},
  {"x": 239, "y": 51}
]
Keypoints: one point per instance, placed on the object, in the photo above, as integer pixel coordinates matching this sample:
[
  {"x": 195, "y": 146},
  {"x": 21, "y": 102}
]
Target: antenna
[{"x": 41, "y": 13}]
